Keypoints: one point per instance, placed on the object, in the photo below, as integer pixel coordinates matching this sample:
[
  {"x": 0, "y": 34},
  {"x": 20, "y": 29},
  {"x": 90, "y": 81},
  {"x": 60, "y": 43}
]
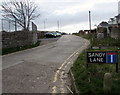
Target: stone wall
[
  {"x": 41, "y": 34},
  {"x": 14, "y": 39},
  {"x": 115, "y": 32},
  {"x": 100, "y": 35}
]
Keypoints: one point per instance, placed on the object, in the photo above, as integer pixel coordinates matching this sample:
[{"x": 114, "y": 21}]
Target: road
[{"x": 42, "y": 69}]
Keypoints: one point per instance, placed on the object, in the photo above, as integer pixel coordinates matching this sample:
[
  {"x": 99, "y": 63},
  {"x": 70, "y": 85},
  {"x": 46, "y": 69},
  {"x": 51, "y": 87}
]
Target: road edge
[{"x": 71, "y": 75}]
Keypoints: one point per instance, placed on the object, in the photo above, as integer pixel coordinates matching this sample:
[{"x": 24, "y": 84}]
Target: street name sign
[
  {"x": 96, "y": 57},
  {"x": 103, "y": 57}
]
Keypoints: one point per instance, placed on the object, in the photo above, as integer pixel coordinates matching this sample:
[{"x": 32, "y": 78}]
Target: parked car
[
  {"x": 50, "y": 35},
  {"x": 58, "y": 34}
]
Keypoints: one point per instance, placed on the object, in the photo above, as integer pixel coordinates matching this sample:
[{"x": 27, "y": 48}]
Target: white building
[{"x": 112, "y": 21}]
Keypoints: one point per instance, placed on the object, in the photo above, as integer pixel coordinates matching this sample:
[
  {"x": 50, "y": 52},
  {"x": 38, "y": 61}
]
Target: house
[
  {"x": 114, "y": 21},
  {"x": 114, "y": 26},
  {"x": 118, "y": 19},
  {"x": 103, "y": 27},
  {"x": 103, "y": 24}
]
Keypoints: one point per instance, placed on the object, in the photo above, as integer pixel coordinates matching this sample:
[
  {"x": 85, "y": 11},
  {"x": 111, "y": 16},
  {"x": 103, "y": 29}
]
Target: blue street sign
[{"x": 111, "y": 57}]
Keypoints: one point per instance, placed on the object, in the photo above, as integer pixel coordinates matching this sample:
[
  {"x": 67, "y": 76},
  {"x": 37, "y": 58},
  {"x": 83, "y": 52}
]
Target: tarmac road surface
[{"x": 42, "y": 69}]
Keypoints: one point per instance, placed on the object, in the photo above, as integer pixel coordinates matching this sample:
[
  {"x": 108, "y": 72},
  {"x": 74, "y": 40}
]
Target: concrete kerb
[
  {"x": 77, "y": 92},
  {"x": 73, "y": 82}
]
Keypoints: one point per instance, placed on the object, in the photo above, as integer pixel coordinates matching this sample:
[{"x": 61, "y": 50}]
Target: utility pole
[
  {"x": 90, "y": 20},
  {"x": 15, "y": 25},
  {"x": 9, "y": 25},
  {"x": 2, "y": 24},
  {"x": 44, "y": 25},
  {"x": 58, "y": 24},
  {"x": 118, "y": 24}
]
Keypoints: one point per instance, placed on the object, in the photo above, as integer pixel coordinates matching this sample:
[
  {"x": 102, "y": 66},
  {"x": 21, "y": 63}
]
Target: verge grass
[{"x": 89, "y": 81}]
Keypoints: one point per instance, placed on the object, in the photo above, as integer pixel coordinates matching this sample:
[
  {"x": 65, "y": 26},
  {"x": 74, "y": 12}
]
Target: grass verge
[
  {"x": 108, "y": 41},
  {"x": 89, "y": 81},
  {"x": 19, "y": 48}
]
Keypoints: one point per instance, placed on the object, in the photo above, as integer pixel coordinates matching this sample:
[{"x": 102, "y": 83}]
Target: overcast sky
[{"x": 73, "y": 14}]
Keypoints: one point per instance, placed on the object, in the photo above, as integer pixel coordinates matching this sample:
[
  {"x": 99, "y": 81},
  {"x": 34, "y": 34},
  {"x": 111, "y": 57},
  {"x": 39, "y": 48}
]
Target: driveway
[{"x": 42, "y": 69}]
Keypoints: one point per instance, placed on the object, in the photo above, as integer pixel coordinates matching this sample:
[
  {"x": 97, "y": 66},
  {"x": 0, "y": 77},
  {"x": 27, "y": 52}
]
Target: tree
[{"x": 21, "y": 12}]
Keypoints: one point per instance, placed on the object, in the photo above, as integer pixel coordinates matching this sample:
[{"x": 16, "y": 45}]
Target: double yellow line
[{"x": 58, "y": 71}]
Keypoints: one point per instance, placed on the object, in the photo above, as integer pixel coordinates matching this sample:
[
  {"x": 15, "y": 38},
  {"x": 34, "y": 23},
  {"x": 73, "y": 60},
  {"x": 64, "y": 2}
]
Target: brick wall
[{"x": 14, "y": 39}]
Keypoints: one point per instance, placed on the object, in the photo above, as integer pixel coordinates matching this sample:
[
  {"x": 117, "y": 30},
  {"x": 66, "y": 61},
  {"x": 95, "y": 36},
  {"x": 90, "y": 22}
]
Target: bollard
[{"x": 107, "y": 83}]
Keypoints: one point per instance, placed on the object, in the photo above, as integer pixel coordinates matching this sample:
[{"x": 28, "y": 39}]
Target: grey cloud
[
  {"x": 99, "y": 12},
  {"x": 65, "y": 19},
  {"x": 104, "y": 11}
]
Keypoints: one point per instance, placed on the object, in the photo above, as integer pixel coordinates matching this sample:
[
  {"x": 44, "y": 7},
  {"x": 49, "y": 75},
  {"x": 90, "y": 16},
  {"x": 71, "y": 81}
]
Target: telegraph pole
[
  {"x": 58, "y": 24},
  {"x": 15, "y": 25},
  {"x": 2, "y": 24},
  {"x": 9, "y": 25},
  {"x": 90, "y": 20},
  {"x": 44, "y": 25}
]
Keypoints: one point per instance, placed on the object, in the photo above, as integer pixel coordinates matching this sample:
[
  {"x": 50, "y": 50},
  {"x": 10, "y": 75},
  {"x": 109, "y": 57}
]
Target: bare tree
[{"x": 21, "y": 12}]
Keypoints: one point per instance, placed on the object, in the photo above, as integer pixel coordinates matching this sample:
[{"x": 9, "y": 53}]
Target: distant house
[
  {"x": 114, "y": 21},
  {"x": 103, "y": 27},
  {"x": 118, "y": 19},
  {"x": 93, "y": 31},
  {"x": 103, "y": 24},
  {"x": 114, "y": 26},
  {"x": 87, "y": 31},
  {"x": 81, "y": 32}
]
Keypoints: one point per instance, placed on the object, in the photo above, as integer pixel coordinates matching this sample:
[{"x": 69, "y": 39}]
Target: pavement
[{"x": 43, "y": 69}]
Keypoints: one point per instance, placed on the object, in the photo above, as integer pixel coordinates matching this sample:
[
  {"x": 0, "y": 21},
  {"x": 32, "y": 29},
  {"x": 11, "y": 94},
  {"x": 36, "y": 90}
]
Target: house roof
[{"x": 103, "y": 24}]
